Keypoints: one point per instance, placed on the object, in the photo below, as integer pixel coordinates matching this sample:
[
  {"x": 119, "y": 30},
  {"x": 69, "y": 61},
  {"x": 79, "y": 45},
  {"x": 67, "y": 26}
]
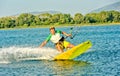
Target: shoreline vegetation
[
  {"x": 64, "y": 25},
  {"x": 45, "y": 20}
]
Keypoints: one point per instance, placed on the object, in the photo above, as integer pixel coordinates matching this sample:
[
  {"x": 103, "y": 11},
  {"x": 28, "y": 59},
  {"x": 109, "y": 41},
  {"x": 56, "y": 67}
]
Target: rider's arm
[
  {"x": 66, "y": 34},
  {"x": 43, "y": 43}
]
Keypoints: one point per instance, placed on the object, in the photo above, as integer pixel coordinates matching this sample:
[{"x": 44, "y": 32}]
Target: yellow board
[{"x": 74, "y": 52}]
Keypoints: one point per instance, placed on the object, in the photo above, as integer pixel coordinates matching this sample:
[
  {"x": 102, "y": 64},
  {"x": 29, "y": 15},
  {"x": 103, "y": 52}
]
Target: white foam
[{"x": 21, "y": 53}]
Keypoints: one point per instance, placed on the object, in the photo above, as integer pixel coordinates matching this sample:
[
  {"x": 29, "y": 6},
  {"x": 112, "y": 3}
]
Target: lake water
[{"x": 19, "y": 52}]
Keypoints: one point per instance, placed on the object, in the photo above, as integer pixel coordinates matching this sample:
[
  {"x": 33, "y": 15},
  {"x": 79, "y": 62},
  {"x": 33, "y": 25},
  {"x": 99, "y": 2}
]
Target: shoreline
[{"x": 62, "y": 25}]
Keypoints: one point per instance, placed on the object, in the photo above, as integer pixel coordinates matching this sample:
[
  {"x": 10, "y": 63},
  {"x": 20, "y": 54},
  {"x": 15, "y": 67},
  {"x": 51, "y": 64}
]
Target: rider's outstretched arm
[{"x": 43, "y": 43}]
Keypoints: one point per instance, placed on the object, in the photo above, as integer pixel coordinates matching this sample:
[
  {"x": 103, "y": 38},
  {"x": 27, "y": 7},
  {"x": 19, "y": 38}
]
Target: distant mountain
[
  {"x": 37, "y": 12},
  {"x": 50, "y": 12},
  {"x": 114, "y": 6}
]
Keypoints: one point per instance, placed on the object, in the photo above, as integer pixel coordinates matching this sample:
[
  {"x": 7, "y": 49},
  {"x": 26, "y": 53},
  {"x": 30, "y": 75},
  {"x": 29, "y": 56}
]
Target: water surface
[{"x": 18, "y": 46}]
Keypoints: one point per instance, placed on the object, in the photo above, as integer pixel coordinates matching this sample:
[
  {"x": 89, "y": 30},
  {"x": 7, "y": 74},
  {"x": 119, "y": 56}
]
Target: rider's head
[{"x": 52, "y": 30}]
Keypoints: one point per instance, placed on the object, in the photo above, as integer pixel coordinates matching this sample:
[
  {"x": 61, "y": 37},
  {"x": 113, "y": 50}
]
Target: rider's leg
[{"x": 59, "y": 47}]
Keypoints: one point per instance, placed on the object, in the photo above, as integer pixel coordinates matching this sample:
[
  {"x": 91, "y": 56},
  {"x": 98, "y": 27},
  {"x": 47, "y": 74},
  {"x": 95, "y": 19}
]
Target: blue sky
[{"x": 13, "y": 7}]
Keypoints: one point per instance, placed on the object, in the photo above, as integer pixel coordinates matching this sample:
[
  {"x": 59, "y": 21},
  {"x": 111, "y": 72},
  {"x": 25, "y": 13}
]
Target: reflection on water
[
  {"x": 46, "y": 68},
  {"x": 68, "y": 67}
]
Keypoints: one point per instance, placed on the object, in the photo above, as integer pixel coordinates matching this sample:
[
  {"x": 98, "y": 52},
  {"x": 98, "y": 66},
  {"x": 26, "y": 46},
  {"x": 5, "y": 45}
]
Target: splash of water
[{"x": 13, "y": 54}]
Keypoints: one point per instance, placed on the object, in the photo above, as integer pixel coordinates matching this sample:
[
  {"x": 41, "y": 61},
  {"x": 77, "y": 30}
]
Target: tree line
[{"x": 26, "y": 19}]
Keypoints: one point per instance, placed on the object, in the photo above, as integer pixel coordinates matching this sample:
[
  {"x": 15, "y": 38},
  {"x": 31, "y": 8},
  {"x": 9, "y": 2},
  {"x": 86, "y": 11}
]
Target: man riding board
[{"x": 58, "y": 40}]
